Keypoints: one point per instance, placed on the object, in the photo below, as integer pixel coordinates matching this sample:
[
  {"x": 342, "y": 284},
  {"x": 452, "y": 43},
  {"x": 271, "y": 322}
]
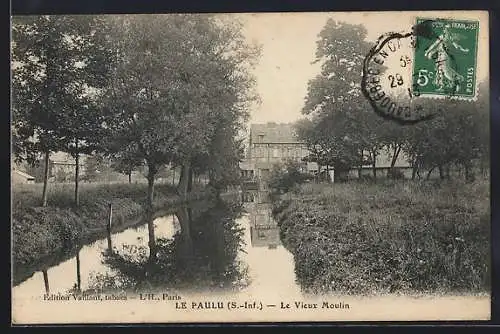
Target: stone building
[
  {"x": 270, "y": 144},
  {"x": 274, "y": 143}
]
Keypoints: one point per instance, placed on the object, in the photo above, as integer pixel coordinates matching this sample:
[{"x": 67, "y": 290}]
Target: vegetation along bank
[
  {"x": 392, "y": 237},
  {"x": 39, "y": 232}
]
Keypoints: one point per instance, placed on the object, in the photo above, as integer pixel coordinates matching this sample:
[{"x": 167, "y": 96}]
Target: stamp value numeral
[{"x": 423, "y": 77}]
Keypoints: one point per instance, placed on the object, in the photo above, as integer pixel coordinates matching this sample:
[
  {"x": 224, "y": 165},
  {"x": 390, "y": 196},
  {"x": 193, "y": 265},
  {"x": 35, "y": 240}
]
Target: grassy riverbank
[
  {"x": 39, "y": 232},
  {"x": 397, "y": 237}
]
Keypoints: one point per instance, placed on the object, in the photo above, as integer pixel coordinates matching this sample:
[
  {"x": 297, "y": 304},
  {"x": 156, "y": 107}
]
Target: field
[
  {"x": 38, "y": 232},
  {"x": 391, "y": 238},
  {"x": 61, "y": 195}
]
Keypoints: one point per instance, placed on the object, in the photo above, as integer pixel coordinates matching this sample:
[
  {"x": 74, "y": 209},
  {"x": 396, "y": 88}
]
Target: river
[
  {"x": 229, "y": 247},
  {"x": 215, "y": 262}
]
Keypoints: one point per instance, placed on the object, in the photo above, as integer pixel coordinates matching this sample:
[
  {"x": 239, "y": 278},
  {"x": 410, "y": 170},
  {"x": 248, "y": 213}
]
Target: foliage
[
  {"x": 60, "y": 64},
  {"x": 59, "y": 61},
  {"x": 343, "y": 132},
  {"x": 286, "y": 177},
  {"x": 340, "y": 128},
  {"x": 125, "y": 162},
  {"x": 203, "y": 253},
  {"x": 403, "y": 238},
  {"x": 458, "y": 135},
  {"x": 92, "y": 167},
  {"x": 181, "y": 85},
  {"x": 42, "y": 232}
]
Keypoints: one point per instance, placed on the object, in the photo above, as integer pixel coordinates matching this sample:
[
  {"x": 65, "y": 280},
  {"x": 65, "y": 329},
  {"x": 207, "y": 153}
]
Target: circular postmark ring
[
  {"x": 399, "y": 89},
  {"x": 382, "y": 103}
]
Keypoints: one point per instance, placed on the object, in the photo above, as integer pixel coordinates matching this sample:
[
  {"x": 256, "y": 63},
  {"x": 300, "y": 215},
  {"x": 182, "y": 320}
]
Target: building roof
[
  {"x": 273, "y": 133},
  {"x": 23, "y": 174}
]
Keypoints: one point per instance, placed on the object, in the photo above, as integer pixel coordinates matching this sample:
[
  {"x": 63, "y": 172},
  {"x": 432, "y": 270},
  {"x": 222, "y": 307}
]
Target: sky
[{"x": 288, "y": 43}]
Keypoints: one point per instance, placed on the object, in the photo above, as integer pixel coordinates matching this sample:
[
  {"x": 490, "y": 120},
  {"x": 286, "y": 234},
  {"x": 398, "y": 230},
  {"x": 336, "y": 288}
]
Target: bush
[
  {"x": 391, "y": 237},
  {"x": 396, "y": 174},
  {"x": 286, "y": 178},
  {"x": 41, "y": 231}
]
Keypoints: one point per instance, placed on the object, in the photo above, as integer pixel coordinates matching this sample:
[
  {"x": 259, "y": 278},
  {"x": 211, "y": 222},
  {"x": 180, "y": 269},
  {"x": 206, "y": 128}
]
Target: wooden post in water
[
  {"x": 46, "y": 281},
  {"x": 110, "y": 219},
  {"x": 78, "y": 276}
]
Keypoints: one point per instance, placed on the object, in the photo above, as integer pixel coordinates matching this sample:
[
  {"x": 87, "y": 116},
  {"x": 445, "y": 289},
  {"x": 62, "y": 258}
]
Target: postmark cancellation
[{"x": 436, "y": 59}]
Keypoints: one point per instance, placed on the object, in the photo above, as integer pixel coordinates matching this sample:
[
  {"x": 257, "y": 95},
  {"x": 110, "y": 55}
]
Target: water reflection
[
  {"x": 264, "y": 231},
  {"x": 255, "y": 196},
  {"x": 219, "y": 246},
  {"x": 65, "y": 275},
  {"x": 46, "y": 281},
  {"x": 271, "y": 266},
  {"x": 78, "y": 273},
  {"x": 202, "y": 255}
]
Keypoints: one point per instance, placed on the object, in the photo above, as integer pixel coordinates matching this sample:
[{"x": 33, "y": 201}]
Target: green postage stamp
[
  {"x": 445, "y": 58},
  {"x": 436, "y": 59}
]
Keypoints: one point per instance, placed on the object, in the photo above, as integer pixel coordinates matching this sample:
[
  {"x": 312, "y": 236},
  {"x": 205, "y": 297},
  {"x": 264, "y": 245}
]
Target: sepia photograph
[{"x": 250, "y": 167}]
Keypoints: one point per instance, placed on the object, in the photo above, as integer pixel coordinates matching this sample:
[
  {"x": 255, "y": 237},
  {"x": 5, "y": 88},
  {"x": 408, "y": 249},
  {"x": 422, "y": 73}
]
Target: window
[{"x": 258, "y": 151}]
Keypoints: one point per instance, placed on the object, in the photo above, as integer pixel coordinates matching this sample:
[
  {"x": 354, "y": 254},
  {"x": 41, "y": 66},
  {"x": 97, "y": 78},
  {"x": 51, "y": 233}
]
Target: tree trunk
[
  {"x": 149, "y": 213},
  {"x": 186, "y": 245},
  {"x": 328, "y": 174},
  {"x": 360, "y": 167},
  {"x": 374, "y": 167},
  {"x": 130, "y": 177},
  {"x": 397, "y": 150},
  {"x": 109, "y": 228},
  {"x": 319, "y": 173},
  {"x": 413, "y": 172},
  {"x": 151, "y": 184},
  {"x": 45, "y": 178},
  {"x": 183, "y": 187},
  {"x": 46, "y": 281},
  {"x": 190, "y": 180},
  {"x": 78, "y": 274},
  {"x": 441, "y": 172},
  {"x": 469, "y": 174},
  {"x": 77, "y": 171},
  {"x": 482, "y": 166},
  {"x": 395, "y": 155},
  {"x": 429, "y": 173},
  {"x": 181, "y": 178}
]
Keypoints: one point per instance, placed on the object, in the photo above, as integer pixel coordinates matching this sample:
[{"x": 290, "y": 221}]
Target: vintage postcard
[{"x": 257, "y": 167}]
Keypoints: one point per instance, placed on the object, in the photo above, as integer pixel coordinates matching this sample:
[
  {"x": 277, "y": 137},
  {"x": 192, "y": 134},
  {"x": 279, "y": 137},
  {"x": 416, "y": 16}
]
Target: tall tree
[
  {"x": 60, "y": 62},
  {"x": 334, "y": 98},
  {"x": 458, "y": 135},
  {"x": 178, "y": 79},
  {"x": 39, "y": 61},
  {"x": 82, "y": 116}
]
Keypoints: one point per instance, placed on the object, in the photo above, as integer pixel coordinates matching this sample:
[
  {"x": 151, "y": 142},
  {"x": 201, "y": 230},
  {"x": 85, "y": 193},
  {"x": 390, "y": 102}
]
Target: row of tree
[
  {"x": 343, "y": 132},
  {"x": 143, "y": 90}
]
